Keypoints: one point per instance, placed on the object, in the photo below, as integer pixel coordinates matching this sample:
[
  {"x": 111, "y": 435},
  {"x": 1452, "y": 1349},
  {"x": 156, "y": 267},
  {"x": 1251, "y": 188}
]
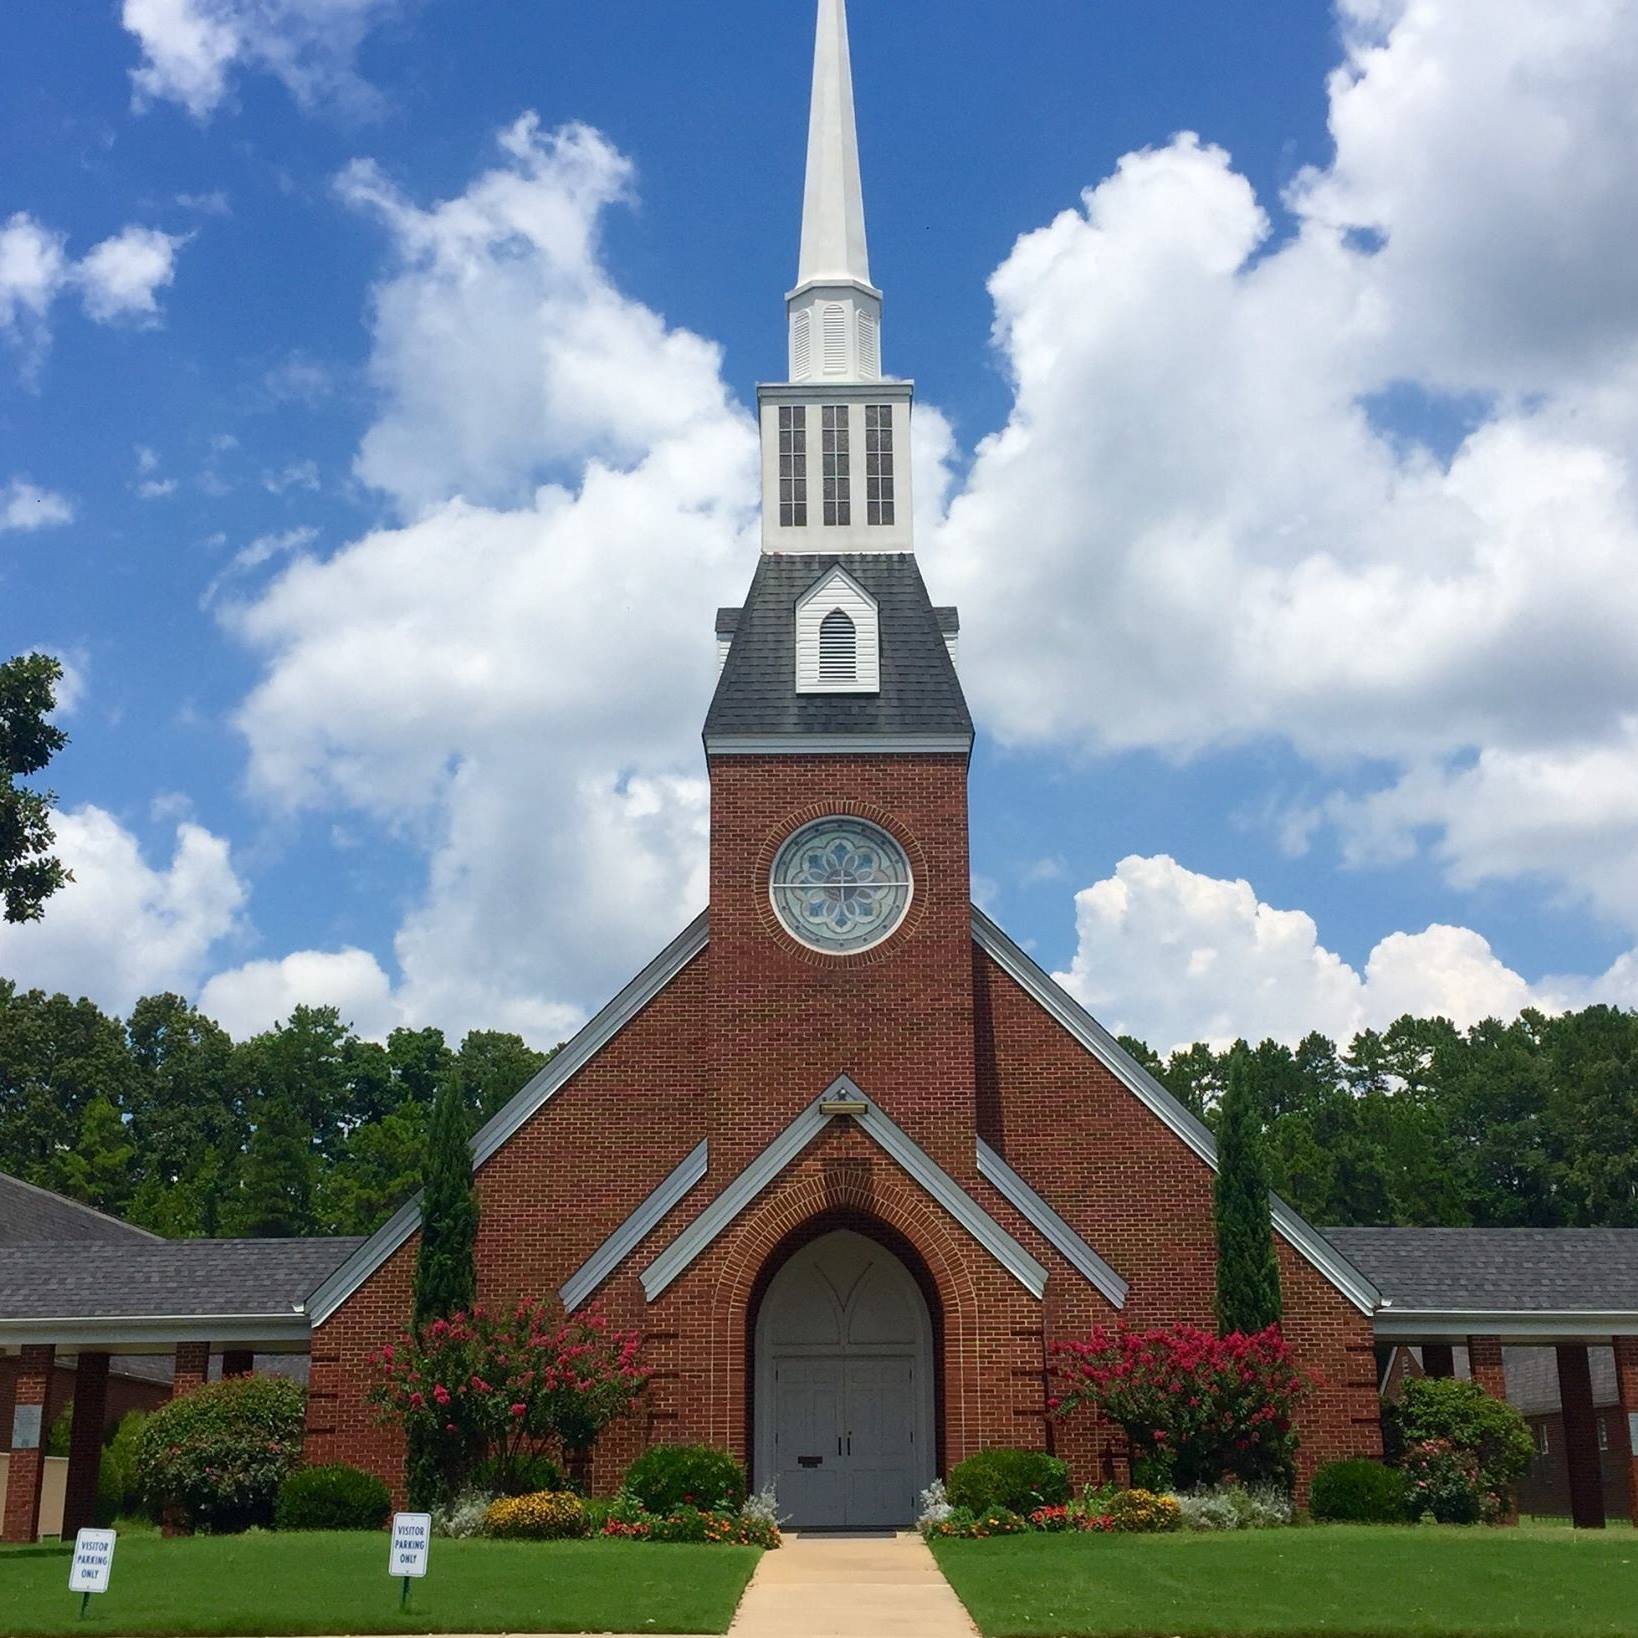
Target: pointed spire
[{"x": 833, "y": 220}]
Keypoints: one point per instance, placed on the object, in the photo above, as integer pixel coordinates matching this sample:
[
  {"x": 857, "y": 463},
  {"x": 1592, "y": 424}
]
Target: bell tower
[
  {"x": 836, "y": 435},
  {"x": 838, "y": 739}
]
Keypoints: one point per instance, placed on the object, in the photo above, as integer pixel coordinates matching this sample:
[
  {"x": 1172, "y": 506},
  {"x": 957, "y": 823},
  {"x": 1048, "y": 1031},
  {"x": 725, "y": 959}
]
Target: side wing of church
[{"x": 843, "y": 1154}]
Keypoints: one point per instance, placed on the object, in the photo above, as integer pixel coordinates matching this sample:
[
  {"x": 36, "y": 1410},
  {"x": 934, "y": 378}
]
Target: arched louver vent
[
  {"x": 838, "y": 649},
  {"x": 835, "y": 335},
  {"x": 870, "y": 352},
  {"x": 801, "y": 346}
]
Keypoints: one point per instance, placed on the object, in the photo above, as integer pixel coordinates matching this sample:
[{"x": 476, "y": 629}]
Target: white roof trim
[
  {"x": 636, "y": 1228},
  {"x": 1521, "y": 1326},
  {"x": 87, "y": 1331},
  {"x": 913, "y": 1159},
  {"x": 1057, "y": 1233},
  {"x": 570, "y": 1061},
  {"x": 836, "y": 744},
  {"x": 1068, "y": 1012}
]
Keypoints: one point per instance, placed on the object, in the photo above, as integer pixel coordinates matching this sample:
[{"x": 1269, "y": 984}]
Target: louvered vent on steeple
[{"x": 838, "y": 637}]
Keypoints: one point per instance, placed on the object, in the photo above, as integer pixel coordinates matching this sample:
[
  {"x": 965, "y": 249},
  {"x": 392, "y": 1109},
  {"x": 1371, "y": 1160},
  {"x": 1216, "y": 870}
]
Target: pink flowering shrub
[
  {"x": 1196, "y": 1408},
  {"x": 501, "y": 1391}
]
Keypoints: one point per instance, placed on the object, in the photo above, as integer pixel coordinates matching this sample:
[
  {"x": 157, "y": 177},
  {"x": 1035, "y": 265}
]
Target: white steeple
[
  {"x": 836, "y": 435},
  {"x": 833, "y": 219},
  {"x": 835, "y": 311}
]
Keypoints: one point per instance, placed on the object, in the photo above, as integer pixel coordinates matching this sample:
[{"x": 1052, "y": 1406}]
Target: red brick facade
[{"x": 952, "y": 1049}]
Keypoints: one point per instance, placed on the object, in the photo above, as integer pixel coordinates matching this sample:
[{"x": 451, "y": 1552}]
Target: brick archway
[{"x": 859, "y": 1192}]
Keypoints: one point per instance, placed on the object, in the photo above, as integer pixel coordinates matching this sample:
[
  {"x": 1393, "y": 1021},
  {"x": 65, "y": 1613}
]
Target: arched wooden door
[{"x": 844, "y": 1387}]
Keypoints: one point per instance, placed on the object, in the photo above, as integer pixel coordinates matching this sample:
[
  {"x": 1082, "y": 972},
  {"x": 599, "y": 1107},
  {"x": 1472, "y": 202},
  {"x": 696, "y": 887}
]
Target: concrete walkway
[{"x": 850, "y": 1587}]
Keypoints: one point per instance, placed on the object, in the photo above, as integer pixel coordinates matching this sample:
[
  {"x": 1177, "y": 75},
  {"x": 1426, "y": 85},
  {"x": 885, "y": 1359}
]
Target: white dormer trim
[{"x": 817, "y": 671}]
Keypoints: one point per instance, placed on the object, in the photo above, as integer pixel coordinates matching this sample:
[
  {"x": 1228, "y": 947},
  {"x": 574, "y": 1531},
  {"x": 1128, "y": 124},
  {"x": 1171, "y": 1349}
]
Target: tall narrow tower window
[
  {"x": 801, "y": 346},
  {"x": 838, "y": 648},
  {"x": 838, "y": 466},
  {"x": 870, "y": 348},
  {"x": 793, "y": 466},
  {"x": 879, "y": 462}
]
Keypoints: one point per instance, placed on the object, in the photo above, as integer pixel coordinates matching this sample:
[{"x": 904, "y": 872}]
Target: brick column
[
  {"x": 191, "y": 1369},
  {"x": 1484, "y": 1361},
  {"x": 85, "y": 1445},
  {"x": 1581, "y": 1437},
  {"x": 1626, "y": 1376},
  {"x": 28, "y": 1431},
  {"x": 1438, "y": 1359},
  {"x": 238, "y": 1362}
]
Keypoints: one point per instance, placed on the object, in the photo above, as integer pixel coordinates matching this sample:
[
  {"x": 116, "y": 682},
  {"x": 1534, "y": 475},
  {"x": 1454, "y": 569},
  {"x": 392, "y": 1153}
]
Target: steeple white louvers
[
  {"x": 836, "y": 436},
  {"x": 835, "y": 311}
]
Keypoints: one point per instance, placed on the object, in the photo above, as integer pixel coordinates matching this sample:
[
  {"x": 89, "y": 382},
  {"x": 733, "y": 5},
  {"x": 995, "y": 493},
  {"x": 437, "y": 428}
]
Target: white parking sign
[
  {"x": 93, "y": 1561},
  {"x": 411, "y": 1534}
]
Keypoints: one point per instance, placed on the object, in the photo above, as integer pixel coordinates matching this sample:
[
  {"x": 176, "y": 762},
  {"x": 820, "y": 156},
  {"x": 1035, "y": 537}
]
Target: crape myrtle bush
[
  {"x": 1017, "y": 1481},
  {"x": 1448, "y": 1435},
  {"x": 1359, "y": 1491},
  {"x": 1196, "y": 1408},
  {"x": 499, "y": 1391},
  {"x": 217, "y": 1456},
  {"x": 667, "y": 1477},
  {"x": 337, "y": 1497}
]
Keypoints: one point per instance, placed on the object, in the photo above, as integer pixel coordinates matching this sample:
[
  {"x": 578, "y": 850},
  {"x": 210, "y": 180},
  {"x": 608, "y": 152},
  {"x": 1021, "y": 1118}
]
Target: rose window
[{"x": 841, "y": 885}]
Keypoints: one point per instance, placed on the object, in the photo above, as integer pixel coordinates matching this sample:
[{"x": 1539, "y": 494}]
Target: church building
[{"x": 845, "y": 1156}]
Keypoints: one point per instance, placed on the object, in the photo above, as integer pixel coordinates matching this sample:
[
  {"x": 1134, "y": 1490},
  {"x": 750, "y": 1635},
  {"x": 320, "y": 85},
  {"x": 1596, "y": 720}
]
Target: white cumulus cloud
[
  {"x": 1230, "y": 537},
  {"x": 125, "y": 927},
  {"x": 249, "y": 999},
  {"x": 25, "y": 506},
  {"x": 517, "y": 675},
  {"x": 192, "y": 48},
  {"x": 1173, "y": 957}
]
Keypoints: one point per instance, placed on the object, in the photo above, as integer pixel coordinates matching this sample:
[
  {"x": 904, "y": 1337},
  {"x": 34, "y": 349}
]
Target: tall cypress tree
[
  {"x": 1248, "y": 1273},
  {"x": 446, "y": 1269}
]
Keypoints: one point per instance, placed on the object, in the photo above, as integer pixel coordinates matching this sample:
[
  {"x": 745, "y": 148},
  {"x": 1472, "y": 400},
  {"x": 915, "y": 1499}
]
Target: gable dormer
[{"x": 838, "y": 637}]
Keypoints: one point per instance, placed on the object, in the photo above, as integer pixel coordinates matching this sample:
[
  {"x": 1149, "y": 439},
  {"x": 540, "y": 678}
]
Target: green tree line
[
  {"x": 1527, "y": 1124},
  {"x": 163, "y": 1119},
  {"x": 166, "y": 1121}
]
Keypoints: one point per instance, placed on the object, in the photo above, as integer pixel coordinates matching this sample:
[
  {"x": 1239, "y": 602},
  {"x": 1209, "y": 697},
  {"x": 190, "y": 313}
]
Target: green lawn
[
  {"x": 1356, "y": 1581},
  {"x": 270, "y": 1584}
]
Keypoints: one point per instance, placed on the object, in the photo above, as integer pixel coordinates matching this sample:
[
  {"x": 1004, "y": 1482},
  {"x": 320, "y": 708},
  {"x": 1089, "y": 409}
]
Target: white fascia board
[
  {"x": 568, "y": 1062},
  {"x": 1053, "y": 1229},
  {"x": 910, "y": 1157},
  {"x": 145, "y": 1331},
  {"x": 1529, "y": 1327},
  {"x": 837, "y": 744},
  {"x": 636, "y": 1228},
  {"x": 1302, "y": 1236}
]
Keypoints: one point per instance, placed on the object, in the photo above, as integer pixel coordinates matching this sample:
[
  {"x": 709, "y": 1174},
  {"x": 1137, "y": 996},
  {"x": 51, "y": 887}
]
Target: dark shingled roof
[
  {"x": 1522, "y": 1270},
  {"x": 163, "y": 1278},
  {"x": 30, "y": 1215},
  {"x": 756, "y": 694}
]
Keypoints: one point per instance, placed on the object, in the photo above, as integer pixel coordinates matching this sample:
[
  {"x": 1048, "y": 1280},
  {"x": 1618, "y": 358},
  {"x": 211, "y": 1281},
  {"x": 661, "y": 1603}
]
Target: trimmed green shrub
[
  {"x": 1018, "y": 1481},
  {"x": 121, "y": 1458},
  {"x": 667, "y": 1477},
  {"x": 110, "y": 1493},
  {"x": 1442, "y": 1411},
  {"x": 1358, "y": 1492},
  {"x": 217, "y": 1456},
  {"x": 337, "y": 1497}
]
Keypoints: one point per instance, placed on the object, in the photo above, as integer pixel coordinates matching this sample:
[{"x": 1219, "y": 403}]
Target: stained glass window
[{"x": 841, "y": 885}]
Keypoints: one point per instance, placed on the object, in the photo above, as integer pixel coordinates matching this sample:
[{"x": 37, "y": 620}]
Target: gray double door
[
  {"x": 844, "y": 1390},
  {"x": 845, "y": 1434}
]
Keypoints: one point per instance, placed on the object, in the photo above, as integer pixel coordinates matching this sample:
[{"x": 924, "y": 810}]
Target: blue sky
[{"x": 1290, "y": 548}]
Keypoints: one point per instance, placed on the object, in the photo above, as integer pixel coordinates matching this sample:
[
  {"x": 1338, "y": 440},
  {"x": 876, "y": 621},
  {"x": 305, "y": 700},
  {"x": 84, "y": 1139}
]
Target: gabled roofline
[
  {"x": 1034, "y": 980},
  {"x": 842, "y": 1100},
  {"x": 79, "y": 1206},
  {"x": 566, "y": 1063}
]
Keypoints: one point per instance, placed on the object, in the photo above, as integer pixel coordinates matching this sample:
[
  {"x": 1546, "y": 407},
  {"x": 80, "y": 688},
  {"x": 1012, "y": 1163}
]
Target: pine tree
[
  {"x": 1248, "y": 1274},
  {"x": 276, "y": 1184},
  {"x": 446, "y": 1269}
]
